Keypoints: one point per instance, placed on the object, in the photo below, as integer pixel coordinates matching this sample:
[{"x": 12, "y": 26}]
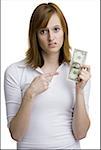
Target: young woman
[{"x": 45, "y": 109}]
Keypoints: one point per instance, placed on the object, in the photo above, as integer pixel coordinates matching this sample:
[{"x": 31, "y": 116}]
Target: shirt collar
[
  {"x": 38, "y": 69},
  {"x": 22, "y": 64}
]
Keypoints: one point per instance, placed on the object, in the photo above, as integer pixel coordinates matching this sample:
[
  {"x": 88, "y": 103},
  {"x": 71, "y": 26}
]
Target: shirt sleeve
[{"x": 12, "y": 92}]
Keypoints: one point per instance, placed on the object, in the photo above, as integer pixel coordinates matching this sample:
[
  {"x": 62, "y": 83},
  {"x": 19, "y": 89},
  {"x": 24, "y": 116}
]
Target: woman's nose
[{"x": 50, "y": 36}]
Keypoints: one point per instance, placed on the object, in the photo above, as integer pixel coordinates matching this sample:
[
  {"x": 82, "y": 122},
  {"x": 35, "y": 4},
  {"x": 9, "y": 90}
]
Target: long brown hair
[{"x": 39, "y": 19}]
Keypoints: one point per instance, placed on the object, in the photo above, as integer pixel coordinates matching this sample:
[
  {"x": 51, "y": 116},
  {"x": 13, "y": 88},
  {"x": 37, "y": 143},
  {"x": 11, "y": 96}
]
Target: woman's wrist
[
  {"x": 29, "y": 94},
  {"x": 79, "y": 90}
]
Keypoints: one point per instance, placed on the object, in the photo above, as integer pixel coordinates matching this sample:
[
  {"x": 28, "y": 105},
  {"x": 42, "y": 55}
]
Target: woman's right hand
[{"x": 40, "y": 84}]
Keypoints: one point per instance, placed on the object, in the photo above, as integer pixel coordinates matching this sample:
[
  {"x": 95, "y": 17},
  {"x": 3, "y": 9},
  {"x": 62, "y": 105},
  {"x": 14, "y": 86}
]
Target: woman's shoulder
[
  {"x": 17, "y": 64},
  {"x": 15, "y": 67},
  {"x": 20, "y": 63}
]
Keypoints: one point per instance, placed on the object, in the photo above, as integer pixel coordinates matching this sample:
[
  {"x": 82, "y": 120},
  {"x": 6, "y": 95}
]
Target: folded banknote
[{"x": 79, "y": 58}]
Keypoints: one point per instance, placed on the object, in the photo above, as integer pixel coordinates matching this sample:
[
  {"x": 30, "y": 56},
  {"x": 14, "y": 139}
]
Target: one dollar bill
[{"x": 79, "y": 58}]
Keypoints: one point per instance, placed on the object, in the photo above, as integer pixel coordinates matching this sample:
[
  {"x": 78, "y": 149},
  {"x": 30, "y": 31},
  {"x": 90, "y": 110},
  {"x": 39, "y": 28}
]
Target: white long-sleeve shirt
[{"x": 50, "y": 125}]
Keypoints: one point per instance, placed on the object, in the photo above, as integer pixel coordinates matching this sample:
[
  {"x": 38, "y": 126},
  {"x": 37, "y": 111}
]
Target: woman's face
[{"x": 51, "y": 38}]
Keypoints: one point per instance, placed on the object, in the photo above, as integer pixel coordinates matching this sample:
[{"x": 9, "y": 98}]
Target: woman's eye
[
  {"x": 56, "y": 29},
  {"x": 42, "y": 32}
]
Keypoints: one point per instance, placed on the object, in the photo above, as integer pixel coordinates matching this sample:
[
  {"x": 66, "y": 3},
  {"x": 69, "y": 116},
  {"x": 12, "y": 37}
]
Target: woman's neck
[
  {"x": 51, "y": 62},
  {"x": 51, "y": 59}
]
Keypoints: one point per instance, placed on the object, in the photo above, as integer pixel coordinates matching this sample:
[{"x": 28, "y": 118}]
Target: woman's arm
[
  {"x": 81, "y": 121},
  {"x": 19, "y": 124}
]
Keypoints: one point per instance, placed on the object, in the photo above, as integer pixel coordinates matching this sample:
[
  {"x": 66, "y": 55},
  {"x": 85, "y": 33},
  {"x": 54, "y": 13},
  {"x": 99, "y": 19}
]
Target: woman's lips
[{"x": 52, "y": 45}]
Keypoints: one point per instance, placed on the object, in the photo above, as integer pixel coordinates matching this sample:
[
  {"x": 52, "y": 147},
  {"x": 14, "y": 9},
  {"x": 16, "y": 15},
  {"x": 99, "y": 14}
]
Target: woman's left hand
[{"x": 83, "y": 77}]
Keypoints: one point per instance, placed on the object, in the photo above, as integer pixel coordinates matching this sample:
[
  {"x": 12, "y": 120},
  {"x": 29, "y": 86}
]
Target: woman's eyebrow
[
  {"x": 57, "y": 25},
  {"x": 47, "y": 28},
  {"x": 43, "y": 29}
]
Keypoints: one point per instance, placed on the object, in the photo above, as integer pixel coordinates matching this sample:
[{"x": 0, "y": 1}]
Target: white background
[{"x": 83, "y": 17}]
